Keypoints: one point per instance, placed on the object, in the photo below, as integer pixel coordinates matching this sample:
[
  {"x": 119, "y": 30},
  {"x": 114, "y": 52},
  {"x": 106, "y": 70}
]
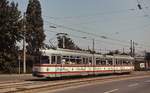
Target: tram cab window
[{"x": 44, "y": 60}]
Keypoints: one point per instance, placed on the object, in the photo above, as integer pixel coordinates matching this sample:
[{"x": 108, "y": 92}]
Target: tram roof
[
  {"x": 81, "y": 53},
  {"x": 66, "y": 52}
]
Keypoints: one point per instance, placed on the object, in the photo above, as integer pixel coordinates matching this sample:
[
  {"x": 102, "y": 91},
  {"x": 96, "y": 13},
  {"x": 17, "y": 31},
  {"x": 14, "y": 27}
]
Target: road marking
[
  {"x": 148, "y": 81},
  {"x": 15, "y": 83},
  {"x": 132, "y": 85},
  {"x": 111, "y": 91}
]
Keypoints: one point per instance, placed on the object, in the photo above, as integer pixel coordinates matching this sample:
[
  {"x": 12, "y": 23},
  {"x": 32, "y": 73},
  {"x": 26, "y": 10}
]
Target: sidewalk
[{"x": 13, "y": 77}]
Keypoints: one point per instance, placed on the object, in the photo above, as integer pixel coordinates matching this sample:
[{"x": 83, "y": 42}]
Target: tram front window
[{"x": 44, "y": 60}]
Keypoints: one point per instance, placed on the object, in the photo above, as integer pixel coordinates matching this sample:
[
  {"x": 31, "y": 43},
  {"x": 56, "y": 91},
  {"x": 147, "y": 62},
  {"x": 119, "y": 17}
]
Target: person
[{"x": 63, "y": 61}]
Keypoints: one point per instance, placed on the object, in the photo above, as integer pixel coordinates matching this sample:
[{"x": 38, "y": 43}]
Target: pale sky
[{"x": 116, "y": 19}]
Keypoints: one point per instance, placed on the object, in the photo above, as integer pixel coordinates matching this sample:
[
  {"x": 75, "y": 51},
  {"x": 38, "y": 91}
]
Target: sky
[{"x": 118, "y": 20}]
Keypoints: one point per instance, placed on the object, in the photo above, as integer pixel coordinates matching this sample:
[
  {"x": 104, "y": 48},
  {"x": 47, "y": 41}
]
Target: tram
[{"x": 64, "y": 62}]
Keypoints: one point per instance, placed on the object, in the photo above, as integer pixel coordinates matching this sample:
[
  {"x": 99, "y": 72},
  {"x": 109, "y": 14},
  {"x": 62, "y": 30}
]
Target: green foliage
[
  {"x": 10, "y": 32},
  {"x": 113, "y": 52},
  {"x": 34, "y": 27},
  {"x": 9, "y": 24},
  {"x": 69, "y": 44}
]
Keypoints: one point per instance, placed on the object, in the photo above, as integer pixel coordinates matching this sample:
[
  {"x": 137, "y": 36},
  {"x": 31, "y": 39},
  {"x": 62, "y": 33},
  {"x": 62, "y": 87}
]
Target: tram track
[{"x": 39, "y": 86}]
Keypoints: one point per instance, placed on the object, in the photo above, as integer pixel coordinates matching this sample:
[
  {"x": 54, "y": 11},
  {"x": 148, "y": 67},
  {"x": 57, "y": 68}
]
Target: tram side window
[
  {"x": 78, "y": 61},
  {"x": 120, "y": 62},
  {"x": 117, "y": 62},
  {"x": 58, "y": 59},
  {"x": 110, "y": 62},
  {"x": 87, "y": 60},
  {"x": 98, "y": 61},
  {"x": 72, "y": 59},
  {"x": 84, "y": 60},
  {"x": 53, "y": 60},
  {"x": 103, "y": 62},
  {"x": 90, "y": 60},
  {"x": 125, "y": 62},
  {"x": 67, "y": 60},
  {"x": 130, "y": 62},
  {"x": 44, "y": 60}
]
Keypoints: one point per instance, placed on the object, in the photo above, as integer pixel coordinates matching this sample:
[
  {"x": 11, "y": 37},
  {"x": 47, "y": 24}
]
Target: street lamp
[
  {"x": 24, "y": 44},
  {"x": 93, "y": 52},
  {"x": 62, "y": 35},
  {"x": 93, "y": 43}
]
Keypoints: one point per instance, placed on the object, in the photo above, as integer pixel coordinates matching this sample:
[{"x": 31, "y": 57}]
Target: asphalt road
[
  {"x": 141, "y": 85},
  {"x": 13, "y": 77}
]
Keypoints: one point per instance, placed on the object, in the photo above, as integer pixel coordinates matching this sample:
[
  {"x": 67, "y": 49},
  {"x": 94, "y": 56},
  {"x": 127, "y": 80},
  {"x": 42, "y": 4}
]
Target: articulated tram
[{"x": 63, "y": 62}]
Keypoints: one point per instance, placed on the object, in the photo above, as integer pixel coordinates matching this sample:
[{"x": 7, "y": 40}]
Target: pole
[
  {"x": 93, "y": 51},
  {"x": 123, "y": 50},
  {"x": 63, "y": 42},
  {"x": 24, "y": 56},
  {"x": 93, "y": 59},
  {"x": 19, "y": 58},
  {"x": 24, "y": 43},
  {"x": 131, "y": 50}
]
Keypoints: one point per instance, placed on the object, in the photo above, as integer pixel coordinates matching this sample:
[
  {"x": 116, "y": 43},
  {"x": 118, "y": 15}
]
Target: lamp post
[
  {"x": 93, "y": 44},
  {"x": 24, "y": 44},
  {"x": 93, "y": 52}
]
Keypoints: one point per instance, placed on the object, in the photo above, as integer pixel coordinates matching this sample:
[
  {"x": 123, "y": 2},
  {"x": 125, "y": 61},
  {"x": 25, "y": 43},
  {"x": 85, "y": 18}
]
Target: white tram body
[{"x": 62, "y": 62}]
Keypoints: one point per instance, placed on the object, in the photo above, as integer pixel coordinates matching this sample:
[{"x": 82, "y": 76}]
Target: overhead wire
[
  {"x": 88, "y": 33},
  {"x": 91, "y": 15},
  {"x": 103, "y": 37},
  {"x": 114, "y": 44}
]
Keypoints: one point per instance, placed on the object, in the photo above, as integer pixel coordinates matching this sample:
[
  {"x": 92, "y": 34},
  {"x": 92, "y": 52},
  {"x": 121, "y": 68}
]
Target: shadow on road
[{"x": 75, "y": 77}]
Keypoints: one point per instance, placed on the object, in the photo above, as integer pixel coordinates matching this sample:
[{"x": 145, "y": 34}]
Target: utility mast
[
  {"x": 24, "y": 44},
  {"x": 132, "y": 48}
]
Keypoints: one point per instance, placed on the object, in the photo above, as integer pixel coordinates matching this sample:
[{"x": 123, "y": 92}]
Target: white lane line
[
  {"x": 148, "y": 81},
  {"x": 132, "y": 85},
  {"x": 17, "y": 83},
  {"x": 111, "y": 91}
]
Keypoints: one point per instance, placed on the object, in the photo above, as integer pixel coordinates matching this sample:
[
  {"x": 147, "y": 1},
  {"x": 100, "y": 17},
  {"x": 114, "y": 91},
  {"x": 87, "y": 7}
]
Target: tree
[
  {"x": 68, "y": 42},
  {"x": 113, "y": 52},
  {"x": 10, "y": 33},
  {"x": 34, "y": 27}
]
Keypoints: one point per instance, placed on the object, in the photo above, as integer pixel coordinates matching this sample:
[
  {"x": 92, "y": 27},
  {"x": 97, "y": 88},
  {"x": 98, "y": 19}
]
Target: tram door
[{"x": 58, "y": 66}]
